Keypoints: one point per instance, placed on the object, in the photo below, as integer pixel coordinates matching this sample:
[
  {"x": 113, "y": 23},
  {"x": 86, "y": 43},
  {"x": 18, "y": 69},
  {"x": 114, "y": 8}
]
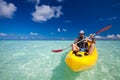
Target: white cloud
[
  {"x": 37, "y": 1},
  {"x": 112, "y": 36},
  {"x": 59, "y": 0},
  {"x": 24, "y": 37},
  {"x": 64, "y": 30},
  {"x": 99, "y": 37},
  {"x": 68, "y": 21},
  {"x": 7, "y": 10},
  {"x": 108, "y": 19},
  {"x": 57, "y": 11},
  {"x": 118, "y": 36},
  {"x": 58, "y": 29},
  {"x": 114, "y": 17},
  {"x": 34, "y": 1},
  {"x": 45, "y": 12},
  {"x": 3, "y": 34},
  {"x": 32, "y": 33},
  {"x": 61, "y": 30}
]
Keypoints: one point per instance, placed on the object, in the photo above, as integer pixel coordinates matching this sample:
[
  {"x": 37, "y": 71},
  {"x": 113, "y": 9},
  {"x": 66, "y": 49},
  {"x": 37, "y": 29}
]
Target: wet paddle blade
[
  {"x": 57, "y": 51},
  {"x": 104, "y": 29}
]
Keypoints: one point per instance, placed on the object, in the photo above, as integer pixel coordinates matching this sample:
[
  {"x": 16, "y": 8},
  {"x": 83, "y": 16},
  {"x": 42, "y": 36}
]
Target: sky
[{"x": 58, "y": 19}]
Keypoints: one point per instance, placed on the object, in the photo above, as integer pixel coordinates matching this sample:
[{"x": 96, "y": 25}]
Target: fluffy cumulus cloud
[
  {"x": 45, "y": 12},
  {"x": 2, "y": 34},
  {"x": 7, "y": 9},
  {"x": 32, "y": 33}
]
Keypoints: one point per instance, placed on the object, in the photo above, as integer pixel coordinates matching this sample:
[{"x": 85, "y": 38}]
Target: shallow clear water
[{"x": 33, "y": 60}]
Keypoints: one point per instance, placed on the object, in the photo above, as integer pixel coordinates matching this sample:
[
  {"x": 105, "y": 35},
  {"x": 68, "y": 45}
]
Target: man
[{"x": 81, "y": 44}]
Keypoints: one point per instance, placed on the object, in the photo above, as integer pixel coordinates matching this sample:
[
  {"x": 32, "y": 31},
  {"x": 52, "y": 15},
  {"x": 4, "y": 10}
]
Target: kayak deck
[{"x": 77, "y": 63}]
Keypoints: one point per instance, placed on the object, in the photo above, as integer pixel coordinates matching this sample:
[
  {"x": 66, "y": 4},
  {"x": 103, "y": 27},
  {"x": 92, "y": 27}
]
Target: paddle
[{"x": 98, "y": 32}]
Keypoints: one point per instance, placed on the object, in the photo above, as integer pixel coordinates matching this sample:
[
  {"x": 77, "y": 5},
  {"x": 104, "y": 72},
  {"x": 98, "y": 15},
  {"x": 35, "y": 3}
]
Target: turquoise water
[{"x": 33, "y": 60}]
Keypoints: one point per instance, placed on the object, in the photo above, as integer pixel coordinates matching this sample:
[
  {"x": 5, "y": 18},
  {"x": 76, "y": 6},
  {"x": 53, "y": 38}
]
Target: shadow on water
[{"x": 63, "y": 72}]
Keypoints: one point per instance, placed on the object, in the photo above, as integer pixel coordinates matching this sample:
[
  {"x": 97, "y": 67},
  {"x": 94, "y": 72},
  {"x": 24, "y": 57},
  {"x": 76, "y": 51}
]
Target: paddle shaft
[{"x": 98, "y": 32}]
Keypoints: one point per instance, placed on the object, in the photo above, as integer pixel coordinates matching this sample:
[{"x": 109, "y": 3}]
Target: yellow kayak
[{"x": 82, "y": 63}]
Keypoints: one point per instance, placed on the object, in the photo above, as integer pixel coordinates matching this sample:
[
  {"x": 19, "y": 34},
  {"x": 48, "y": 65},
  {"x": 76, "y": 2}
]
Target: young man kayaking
[{"x": 81, "y": 44}]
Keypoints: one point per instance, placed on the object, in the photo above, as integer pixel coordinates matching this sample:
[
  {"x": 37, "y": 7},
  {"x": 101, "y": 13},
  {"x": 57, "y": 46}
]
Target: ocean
[{"x": 34, "y": 60}]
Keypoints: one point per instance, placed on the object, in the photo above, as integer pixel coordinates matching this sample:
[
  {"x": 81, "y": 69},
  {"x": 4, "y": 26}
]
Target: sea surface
[{"x": 34, "y": 60}]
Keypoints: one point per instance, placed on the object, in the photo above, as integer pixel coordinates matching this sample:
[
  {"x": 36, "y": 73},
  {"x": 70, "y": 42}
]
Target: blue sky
[{"x": 58, "y": 19}]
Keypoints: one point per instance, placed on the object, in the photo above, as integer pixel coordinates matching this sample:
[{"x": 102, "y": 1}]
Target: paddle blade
[
  {"x": 104, "y": 29},
  {"x": 57, "y": 51}
]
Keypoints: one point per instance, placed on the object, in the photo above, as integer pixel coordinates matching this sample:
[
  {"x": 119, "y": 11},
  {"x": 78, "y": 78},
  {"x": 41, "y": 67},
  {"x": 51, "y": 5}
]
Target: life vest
[{"x": 82, "y": 45}]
